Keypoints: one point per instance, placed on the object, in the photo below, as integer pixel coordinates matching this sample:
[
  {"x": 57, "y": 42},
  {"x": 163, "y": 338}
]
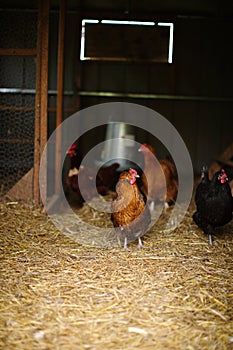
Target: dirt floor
[{"x": 58, "y": 294}]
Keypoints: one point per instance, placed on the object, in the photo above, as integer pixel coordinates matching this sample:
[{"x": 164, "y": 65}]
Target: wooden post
[
  {"x": 77, "y": 98},
  {"x": 60, "y": 80},
  {"x": 41, "y": 108}
]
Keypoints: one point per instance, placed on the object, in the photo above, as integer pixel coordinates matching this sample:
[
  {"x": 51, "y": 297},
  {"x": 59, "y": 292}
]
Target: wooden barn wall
[{"x": 202, "y": 71}]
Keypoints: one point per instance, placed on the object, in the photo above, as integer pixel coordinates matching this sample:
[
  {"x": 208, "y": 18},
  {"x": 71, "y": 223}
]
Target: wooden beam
[
  {"x": 60, "y": 82},
  {"x": 41, "y": 95},
  {"x": 23, "y": 141},
  {"x": 14, "y": 108},
  {"x": 77, "y": 97},
  {"x": 18, "y": 52},
  {"x": 22, "y": 190}
]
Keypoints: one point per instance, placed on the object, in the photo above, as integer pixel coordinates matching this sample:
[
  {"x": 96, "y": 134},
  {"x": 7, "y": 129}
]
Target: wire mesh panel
[
  {"x": 17, "y": 96},
  {"x": 18, "y": 28},
  {"x": 17, "y": 138}
]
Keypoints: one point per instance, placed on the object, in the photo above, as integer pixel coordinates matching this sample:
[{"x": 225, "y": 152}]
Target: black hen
[{"x": 214, "y": 202}]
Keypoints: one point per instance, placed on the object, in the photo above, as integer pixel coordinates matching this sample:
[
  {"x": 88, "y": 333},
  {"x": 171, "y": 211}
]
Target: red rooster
[
  {"x": 130, "y": 214},
  {"x": 159, "y": 189}
]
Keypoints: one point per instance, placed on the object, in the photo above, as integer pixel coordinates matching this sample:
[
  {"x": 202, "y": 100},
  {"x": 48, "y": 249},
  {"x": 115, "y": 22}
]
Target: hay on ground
[{"x": 56, "y": 293}]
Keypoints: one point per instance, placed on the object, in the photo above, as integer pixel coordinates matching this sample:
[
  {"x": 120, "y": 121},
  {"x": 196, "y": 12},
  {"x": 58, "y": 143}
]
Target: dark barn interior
[
  {"x": 57, "y": 58},
  {"x": 43, "y": 80}
]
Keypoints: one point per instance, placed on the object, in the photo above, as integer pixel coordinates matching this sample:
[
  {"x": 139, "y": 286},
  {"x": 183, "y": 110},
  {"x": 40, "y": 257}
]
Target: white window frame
[{"x": 123, "y": 22}]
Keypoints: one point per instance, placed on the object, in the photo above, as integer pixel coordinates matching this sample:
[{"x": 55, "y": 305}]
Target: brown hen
[
  {"x": 130, "y": 213},
  {"x": 161, "y": 178}
]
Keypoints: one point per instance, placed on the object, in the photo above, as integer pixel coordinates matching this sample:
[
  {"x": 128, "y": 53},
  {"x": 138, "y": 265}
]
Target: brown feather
[
  {"x": 155, "y": 173},
  {"x": 131, "y": 215}
]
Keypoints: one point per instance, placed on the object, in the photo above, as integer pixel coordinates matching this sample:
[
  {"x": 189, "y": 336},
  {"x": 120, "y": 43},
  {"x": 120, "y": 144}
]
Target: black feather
[{"x": 214, "y": 202}]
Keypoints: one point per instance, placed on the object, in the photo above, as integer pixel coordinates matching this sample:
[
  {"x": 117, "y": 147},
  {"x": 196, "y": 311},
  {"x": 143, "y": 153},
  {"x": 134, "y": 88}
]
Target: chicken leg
[
  {"x": 125, "y": 244},
  {"x": 207, "y": 228},
  {"x": 140, "y": 245},
  {"x": 210, "y": 240}
]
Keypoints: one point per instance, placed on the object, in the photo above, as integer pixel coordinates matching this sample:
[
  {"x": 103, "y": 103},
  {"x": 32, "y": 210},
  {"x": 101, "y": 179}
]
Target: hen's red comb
[
  {"x": 223, "y": 177},
  {"x": 133, "y": 171},
  {"x": 72, "y": 150},
  {"x": 73, "y": 146}
]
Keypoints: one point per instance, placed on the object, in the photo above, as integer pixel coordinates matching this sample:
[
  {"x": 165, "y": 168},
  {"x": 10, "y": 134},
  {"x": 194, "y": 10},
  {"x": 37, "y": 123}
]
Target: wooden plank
[
  {"x": 41, "y": 95},
  {"x": 16, "y": 141},
  {"x": 14, "y": 108},
  {"x": 36, "y": 193},
  {"x": 18, "y": 52},
  {"x": 60, "y": 80},
  {"x": 79, "y": 77},
  {"x": 22, "y": 190},
  {"x": 44, "y": 75}
]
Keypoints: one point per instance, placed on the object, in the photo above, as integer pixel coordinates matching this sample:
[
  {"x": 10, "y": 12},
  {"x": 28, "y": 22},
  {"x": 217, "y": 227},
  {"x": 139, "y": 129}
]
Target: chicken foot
[
  {"x": 140, "y": 245},
  {"x": 125, "y": 244}
]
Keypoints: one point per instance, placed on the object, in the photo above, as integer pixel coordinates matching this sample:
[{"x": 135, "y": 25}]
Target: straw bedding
[{"x": 56, "y": 293}]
